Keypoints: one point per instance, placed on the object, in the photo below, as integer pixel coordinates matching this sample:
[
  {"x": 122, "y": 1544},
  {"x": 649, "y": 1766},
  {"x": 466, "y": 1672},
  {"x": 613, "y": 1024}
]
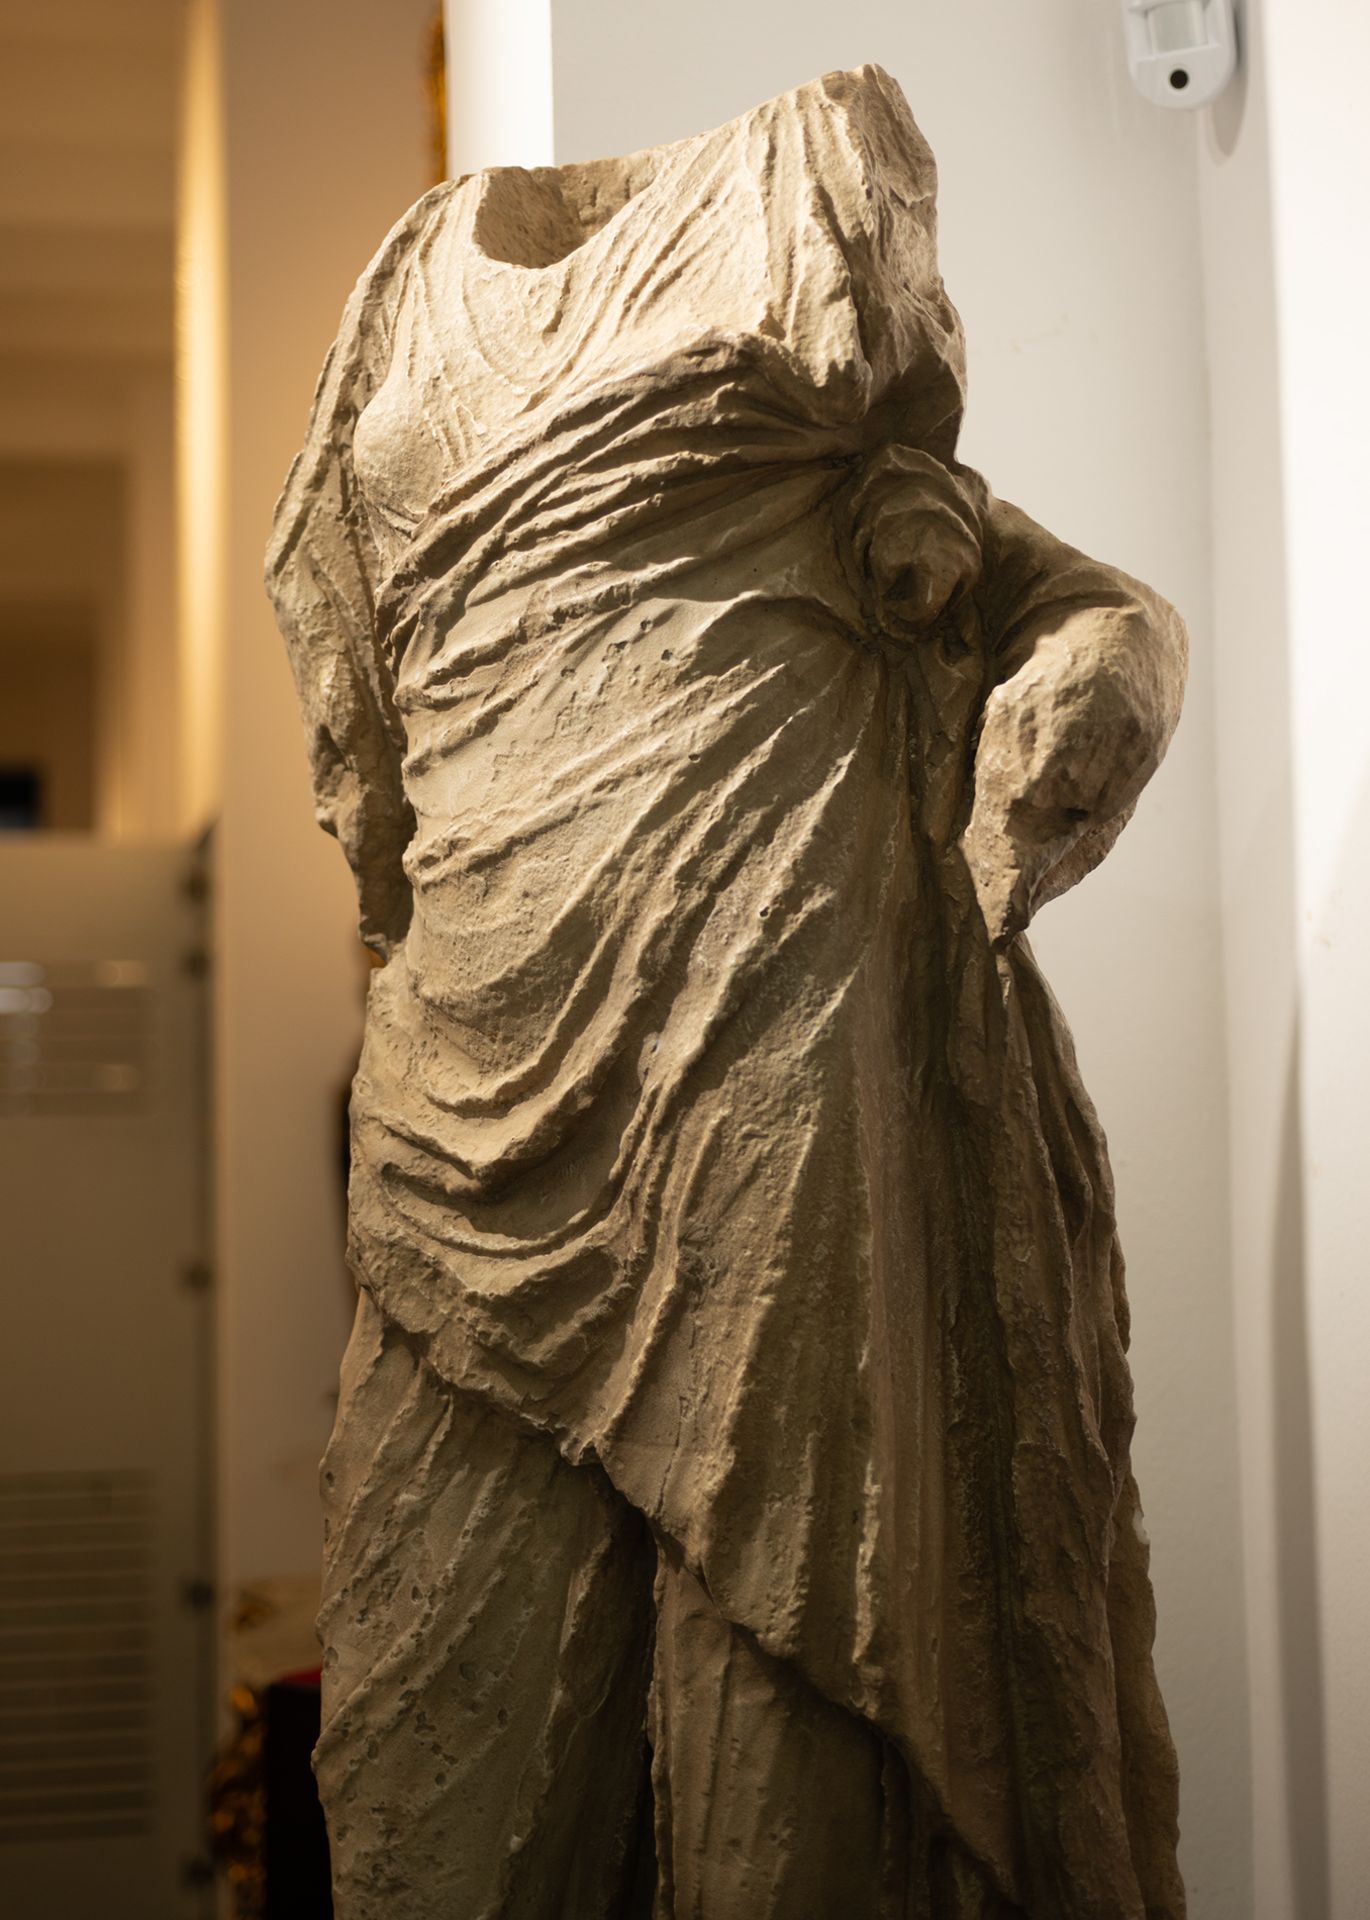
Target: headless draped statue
[{"x": 729, "y": 1513}]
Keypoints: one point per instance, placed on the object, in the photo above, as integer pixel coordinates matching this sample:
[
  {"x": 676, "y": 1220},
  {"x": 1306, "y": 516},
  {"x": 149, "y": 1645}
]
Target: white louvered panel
[
  {"x": 75, "y": 1655},
  {"x": 74, "y": 1039},
  {"x": 105, "y": 1704}
]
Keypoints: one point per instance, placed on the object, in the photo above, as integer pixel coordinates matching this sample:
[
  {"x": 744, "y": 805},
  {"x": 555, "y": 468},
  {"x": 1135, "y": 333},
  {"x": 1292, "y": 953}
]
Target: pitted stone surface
[{"x": 703, "y": 736}]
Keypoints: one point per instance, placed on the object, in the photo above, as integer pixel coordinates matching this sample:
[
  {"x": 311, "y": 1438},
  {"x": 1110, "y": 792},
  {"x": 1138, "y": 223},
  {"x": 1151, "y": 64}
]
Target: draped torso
[{"x": 699, "y": 1125}]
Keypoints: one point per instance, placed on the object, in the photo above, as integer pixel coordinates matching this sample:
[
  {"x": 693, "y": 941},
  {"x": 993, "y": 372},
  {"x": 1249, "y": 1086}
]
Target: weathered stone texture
[{"x": 737, "y": 1240}]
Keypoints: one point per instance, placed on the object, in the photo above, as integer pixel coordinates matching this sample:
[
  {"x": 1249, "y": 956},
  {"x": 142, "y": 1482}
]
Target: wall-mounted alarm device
[{"x": 1181, "y": 53}]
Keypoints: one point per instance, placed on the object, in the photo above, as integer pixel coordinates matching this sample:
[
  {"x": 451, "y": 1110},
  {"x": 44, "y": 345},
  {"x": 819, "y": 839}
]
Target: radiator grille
[
  {"x": 73, "y": 1039},
  {"x": 75, "y": 1655}
]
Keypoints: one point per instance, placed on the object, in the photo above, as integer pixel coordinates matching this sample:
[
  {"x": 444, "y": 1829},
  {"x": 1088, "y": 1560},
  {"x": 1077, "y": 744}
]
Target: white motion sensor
[{"x": 1181, "y": 53}]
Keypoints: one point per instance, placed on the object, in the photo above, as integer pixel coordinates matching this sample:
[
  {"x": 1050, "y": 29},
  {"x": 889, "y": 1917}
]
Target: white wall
[
  {"x": 1070, "y": 243},
  {"x": 1255, "y": 787},
  {"x": 314, "y": 117},
  {"x": 1285, "y": 182},
  {"x": 1319, "y": 102}
]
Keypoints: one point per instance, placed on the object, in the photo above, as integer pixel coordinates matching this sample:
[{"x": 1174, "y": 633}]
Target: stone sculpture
[{"x": 729, "y": 1511}]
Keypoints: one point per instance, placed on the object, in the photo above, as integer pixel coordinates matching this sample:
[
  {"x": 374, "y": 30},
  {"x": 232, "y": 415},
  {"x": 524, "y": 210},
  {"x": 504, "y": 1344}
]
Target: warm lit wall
[
  {"x": 152, "y": 801},
  {"x": 63, "y": 585},
  {"x": 201, "y": 402},
  {"x": 47, "y": 712},
  {"x": 57, "y": 410},
  {"x": 310, "y": 141},
  {"x": 1070, "y": 244},
  {"x": 87, "y": 111},
  {"x": 87, "y": 512}
]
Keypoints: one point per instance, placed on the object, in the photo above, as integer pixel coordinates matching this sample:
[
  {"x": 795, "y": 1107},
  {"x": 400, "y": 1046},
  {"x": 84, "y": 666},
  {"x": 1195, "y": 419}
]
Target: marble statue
[{"x": 729, "y": 1513}]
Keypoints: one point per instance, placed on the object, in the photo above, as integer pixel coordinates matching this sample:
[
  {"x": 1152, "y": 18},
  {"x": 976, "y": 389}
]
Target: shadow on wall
[
  {"x": 1335, "y": 968},
  {"x": 1229, "y": 110},
  {"x": 1298, "y": 1587}
]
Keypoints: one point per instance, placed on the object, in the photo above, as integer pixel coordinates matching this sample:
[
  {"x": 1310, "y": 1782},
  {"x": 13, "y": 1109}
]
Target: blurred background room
[{"x": 1166, "y": 315}]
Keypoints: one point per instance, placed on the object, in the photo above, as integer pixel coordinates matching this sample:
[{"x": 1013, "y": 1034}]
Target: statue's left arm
[{"x": 1089, "y": 676}]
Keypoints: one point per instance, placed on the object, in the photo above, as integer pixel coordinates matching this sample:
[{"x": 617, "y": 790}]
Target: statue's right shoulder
[{"x": 383, "y": 278}]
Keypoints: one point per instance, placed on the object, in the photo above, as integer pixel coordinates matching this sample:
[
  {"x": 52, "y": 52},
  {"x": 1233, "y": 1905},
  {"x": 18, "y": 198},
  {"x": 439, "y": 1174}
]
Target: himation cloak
[{"x": 730, "y": 1510}]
